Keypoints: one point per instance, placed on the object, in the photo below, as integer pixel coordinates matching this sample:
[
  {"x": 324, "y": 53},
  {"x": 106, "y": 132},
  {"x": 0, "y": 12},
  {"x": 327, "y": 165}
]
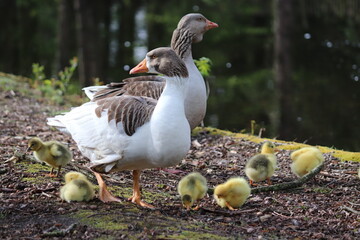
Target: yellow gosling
[
  {"x": 305, "y": 160},
  {"x": 77, "y": 188},
  {"x": 192, "y": 188},
  {"x": 233, "y": 193},
  {"x": 262, "y": 166},
  {"x": 52, "y": 153}
]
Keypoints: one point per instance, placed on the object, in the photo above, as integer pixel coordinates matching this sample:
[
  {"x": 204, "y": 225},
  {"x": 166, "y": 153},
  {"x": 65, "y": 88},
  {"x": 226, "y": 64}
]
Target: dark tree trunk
[
  {"x": 105, "y": 40},
  {"x": 126, "y": 35},
  {"x": 87, "y": 39},
  {"x": 9, "y": 41},
  {"x": 284, "y": 24},
  {"x": 64, "y": 34},
  {"x": 156, "y": 40}
]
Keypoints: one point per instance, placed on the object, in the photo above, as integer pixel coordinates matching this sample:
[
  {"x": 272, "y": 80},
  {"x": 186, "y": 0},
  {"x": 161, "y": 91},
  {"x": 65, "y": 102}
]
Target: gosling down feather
[
  {"x": 77, "y": 188},
  {"x": 52, "y": 153},
  {"x": 191, "y": 188},
  {"x": 233, "y": 193},
  {"x": 305, "y": 160},
  {"x": 262, "y": 166}
]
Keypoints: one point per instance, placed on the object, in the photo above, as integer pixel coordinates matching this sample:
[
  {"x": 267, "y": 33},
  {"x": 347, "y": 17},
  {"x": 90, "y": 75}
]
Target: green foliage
[
  {"x": 53, "y": 88},
  {"x": 204, "y": 66},
  {"x": 255, "y": 96},
  {"x": 97, "y": 82},
  {"x": 65, "y": 76}
]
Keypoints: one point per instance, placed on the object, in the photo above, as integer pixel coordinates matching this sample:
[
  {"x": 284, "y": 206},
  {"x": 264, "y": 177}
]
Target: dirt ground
[{"x": 325, "y": 208}]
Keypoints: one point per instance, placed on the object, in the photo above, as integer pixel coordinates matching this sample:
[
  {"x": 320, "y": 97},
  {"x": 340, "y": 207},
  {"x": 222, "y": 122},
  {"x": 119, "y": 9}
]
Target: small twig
[
  {"x": 58, "y": 233},
  {"x": 328, "y": 175},
  {"x": 356, "y": 204},
  {"x": 18, "y": 156},
  {"x": 281, "y": 215},
  {"x": 47, "y": 195},
  {"x": 7, "y": 190},
  {"x": 261, "y": 131},
  {"x": 350, "y": 209},
  {"x": 12, "y": 159},
  {"x": 38, "y": 190}
]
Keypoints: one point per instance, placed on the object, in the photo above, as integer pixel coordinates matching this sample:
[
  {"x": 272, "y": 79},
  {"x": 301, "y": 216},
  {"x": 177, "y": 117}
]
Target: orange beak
[
  {"x": 210, "y": 25},
  {"x": 140, "y": 68}
]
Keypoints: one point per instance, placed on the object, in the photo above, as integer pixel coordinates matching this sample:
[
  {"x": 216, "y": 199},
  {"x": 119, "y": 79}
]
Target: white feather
[{"x": 92, "y": 90}]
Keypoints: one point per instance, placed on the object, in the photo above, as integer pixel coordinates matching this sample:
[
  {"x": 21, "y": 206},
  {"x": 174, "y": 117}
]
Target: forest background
[{"x": 291, "y": 67}]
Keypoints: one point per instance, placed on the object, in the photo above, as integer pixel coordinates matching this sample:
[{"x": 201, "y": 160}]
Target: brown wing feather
[
  {"x": 147, "y": 86},
  {"x": 131, "y": 111}
]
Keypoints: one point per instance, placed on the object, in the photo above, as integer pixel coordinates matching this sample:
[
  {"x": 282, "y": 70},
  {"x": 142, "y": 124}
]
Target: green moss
[
  {"x": 121, "y": 191},
  {"x": 2, "y": 215},
  {"x": 323, "y": 190},
  {"x": 37, "y": 167},
  {"x": 347, "y": 156},
  {"x": 135, "y": 223},
  {"x": 31, "y": 180},
  {"x": 106, "y": 238},
  {"x": 107, "y": 222}
]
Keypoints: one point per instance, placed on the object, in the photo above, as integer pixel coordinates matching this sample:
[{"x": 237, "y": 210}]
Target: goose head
[
  {"x": 34, "y": 144},
  {"x": 196, "y": 24},
  {"x": 74, "y": 175},
  {"x": 162, "y": 61},
  {"x": 268, "y": 147}
]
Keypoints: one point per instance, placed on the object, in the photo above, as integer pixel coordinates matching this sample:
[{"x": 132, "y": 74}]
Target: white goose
[
  {"x": 134, "y": 133},
  {"x": 190, "y": 29}
]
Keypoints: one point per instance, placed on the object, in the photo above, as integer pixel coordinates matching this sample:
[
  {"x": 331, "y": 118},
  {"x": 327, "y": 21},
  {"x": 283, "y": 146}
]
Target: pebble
[
  {"x": 265, "y": 217},
  {"x": 250, "y": 230},
  {"x": 295, "y": 222}
]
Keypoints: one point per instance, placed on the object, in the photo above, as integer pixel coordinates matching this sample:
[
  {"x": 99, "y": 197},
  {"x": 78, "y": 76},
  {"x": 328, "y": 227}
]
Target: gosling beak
[
  {"x": 140, "y": 68},
  {"x": 210, "y": 25},
  {"x": 28, "y": 149}
]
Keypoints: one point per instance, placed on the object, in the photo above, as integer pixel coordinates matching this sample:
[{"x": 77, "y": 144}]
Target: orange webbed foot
[
  {"x": 137, "y": 201},
  {"x": 104, "y": 195}
]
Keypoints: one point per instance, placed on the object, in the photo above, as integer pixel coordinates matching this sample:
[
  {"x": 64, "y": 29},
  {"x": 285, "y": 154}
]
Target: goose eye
[
  {"x": 152, "y": 56},
  {"x": 200, "y": 19}
]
